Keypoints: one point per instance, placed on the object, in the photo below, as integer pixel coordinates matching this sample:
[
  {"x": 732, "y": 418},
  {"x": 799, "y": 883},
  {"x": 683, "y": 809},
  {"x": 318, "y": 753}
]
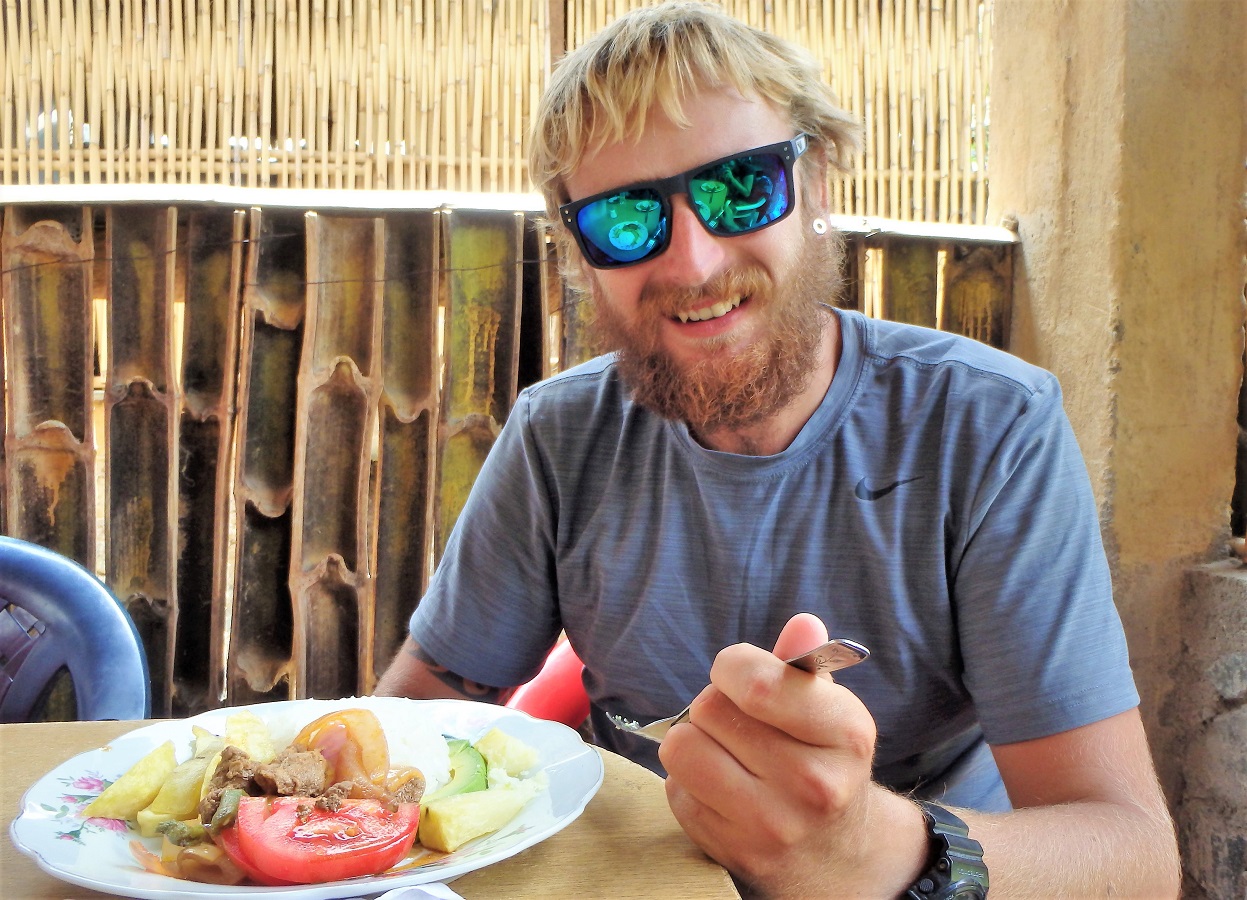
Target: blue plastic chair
[{"x": 56, "y": 616}]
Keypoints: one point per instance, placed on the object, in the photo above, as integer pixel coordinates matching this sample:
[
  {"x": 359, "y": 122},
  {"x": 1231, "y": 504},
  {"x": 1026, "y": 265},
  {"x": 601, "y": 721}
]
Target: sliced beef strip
[
  {"x": 333, "y": 795},
  {"x": 293, "y": 772},
  {"x": 235, "y": 770},
  {"x": 411, "y": 791}
]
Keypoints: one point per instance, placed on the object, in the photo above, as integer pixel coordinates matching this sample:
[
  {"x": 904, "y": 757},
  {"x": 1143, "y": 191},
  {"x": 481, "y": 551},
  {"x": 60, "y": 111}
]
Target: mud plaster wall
[{"x": 1118, "y": 141}]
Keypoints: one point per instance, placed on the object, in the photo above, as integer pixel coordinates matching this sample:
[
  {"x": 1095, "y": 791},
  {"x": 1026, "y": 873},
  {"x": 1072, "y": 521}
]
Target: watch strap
[{"x": 955, "y": 869}]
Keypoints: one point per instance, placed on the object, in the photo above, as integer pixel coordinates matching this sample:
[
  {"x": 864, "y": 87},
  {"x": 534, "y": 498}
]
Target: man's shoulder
[
  {"x": 592, "y": 382},
  {"x": 585, "y": 398},
  {"x": 889, "y": 344}
]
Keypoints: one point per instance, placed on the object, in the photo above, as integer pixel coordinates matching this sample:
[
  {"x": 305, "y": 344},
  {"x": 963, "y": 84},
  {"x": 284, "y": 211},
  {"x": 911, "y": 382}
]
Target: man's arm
[
  {"x": 1090, "y": 819},
  {"x": 772, "y": 779},
  {"x": 414, "y": 673}
]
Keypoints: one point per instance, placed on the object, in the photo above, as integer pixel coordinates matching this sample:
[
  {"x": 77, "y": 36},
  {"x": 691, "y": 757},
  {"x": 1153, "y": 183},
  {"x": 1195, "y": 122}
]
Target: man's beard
[{"x": 740, "y": 388}]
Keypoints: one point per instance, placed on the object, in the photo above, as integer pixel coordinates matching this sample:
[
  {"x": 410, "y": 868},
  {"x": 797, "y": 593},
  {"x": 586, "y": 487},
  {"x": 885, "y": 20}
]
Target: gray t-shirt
[{"x": 935, "y": 508}]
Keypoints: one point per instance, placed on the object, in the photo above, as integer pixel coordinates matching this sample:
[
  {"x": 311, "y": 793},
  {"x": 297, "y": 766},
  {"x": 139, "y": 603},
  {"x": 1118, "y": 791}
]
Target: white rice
[{"x": 413, "y": 740}]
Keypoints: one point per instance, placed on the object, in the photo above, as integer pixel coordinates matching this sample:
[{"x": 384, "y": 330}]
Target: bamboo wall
[
  {"x": 259, "y": 424},
  {"x": 294, "y": 406},
  {"x": 436, "y": 94}
]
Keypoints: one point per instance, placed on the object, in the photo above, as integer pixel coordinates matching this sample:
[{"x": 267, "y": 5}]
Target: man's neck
[{"x": 778, "y": 430}]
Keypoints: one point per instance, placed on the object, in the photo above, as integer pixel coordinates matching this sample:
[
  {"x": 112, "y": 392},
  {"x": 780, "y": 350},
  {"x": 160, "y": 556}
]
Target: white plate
[{"x": 95, "y": 853}]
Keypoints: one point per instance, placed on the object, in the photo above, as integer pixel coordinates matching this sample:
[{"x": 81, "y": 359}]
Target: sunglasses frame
[{"x": 665, "y": 188}]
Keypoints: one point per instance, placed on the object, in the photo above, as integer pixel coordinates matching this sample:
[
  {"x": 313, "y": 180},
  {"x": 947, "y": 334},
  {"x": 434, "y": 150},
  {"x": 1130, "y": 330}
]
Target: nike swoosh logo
[{"x": 864, "y": 492}]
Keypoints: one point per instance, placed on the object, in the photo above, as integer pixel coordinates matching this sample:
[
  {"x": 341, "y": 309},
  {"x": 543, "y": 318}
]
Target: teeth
[{"x": 722, "y": 308}]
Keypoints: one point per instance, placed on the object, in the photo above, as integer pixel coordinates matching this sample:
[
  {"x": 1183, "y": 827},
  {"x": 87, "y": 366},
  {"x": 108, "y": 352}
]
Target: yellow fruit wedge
[
  {"x": 135, "y": 789},
  {"x": 451, "y": 822},
  {"x": 510, "y": 754}
]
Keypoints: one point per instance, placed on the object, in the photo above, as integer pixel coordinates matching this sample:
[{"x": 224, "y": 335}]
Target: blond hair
[{"x": 602, "y": 91}]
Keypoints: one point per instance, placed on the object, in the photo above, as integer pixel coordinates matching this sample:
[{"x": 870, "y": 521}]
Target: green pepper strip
[{"x": 226, "y": 811}]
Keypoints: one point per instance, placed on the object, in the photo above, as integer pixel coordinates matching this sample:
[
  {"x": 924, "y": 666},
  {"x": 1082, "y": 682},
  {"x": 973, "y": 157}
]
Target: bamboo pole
[
  {"x": 319, "y": 93},
  {"x": 411, "y": 34},
  {"x": 37, "y": 99},
  {"x": 154, "y": 26},
  {"x": 945, "y": 126},
  {"x": 11, "y": 155},
  {"x": 300, "y": 121},
  {"x": 378, "y": 104},
  {"x": 348, "y": 102},
  {"x": 977, "y": 136},
  {"x": 427, "y": 96},
  {"x": 71, "y": 159}
]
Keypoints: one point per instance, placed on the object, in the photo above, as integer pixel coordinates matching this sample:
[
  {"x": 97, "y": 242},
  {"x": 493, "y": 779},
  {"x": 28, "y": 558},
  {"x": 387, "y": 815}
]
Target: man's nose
[{"x": 694, "y": 255}]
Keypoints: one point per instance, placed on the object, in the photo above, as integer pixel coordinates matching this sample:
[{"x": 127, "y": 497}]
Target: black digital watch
[{"x": 955, "y": 869}]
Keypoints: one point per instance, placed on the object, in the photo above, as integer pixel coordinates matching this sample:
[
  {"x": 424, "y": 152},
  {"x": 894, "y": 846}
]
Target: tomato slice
[
  {"x": 288, "y": 838},
  {"x": 227, "y": 840}
]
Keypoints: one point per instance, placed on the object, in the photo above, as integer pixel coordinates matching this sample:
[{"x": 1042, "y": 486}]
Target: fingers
[
  {"x": 831, "y": 742},
  {"x": 713, "y": 792},
  {"x": 803, "y": 632},
  {"x": 811, "y": 709},
  {"x": 749, "y": 794}
]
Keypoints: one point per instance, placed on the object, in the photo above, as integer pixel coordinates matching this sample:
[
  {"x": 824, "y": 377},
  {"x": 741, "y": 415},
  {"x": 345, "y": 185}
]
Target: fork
[{"x": 838, "y": 653}]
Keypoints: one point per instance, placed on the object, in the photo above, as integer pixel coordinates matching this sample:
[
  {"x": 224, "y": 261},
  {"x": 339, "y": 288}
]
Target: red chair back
[{"x": 557, "y": 692}]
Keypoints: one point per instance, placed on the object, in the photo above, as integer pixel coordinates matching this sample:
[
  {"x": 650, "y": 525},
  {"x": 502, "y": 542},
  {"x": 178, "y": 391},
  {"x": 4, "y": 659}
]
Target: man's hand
[{"x": 771, "y": 777}]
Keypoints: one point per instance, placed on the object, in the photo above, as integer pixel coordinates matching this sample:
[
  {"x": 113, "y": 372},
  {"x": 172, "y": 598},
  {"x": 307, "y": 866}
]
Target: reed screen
[{"x": 437, "y": 94}]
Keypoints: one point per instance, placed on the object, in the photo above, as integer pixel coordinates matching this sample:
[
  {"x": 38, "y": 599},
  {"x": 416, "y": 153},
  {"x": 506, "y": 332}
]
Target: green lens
[
  {"x": 741, "y": 194},
  {"x": 624, "y": 227}
]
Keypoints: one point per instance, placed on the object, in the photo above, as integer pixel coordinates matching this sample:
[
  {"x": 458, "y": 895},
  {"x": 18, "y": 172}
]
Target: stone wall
[{"x": 1209, "y": 706}]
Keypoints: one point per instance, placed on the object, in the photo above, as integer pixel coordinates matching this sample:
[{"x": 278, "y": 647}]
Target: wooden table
[{"x": 626, "y": 832}]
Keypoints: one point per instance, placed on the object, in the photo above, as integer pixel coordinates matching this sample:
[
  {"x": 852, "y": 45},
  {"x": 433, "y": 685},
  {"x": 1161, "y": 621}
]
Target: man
[{"x": 752, "y": 467}]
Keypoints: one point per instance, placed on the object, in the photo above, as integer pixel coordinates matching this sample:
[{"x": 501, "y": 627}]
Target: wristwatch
[{"x": 955, "y": 869}]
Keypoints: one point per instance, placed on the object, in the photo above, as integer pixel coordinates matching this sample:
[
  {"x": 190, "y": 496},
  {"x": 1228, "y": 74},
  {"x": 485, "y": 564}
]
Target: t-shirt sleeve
[
  {"x": 489, "y": 614},
  {"x": 1042, "y": 642}
]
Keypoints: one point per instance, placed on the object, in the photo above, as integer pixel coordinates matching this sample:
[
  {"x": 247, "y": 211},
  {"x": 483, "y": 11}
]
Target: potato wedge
[
  {"x": 179, "y": 796},
  {"x": 136, "y": 788},
  {"x": 247, "y": 731}
]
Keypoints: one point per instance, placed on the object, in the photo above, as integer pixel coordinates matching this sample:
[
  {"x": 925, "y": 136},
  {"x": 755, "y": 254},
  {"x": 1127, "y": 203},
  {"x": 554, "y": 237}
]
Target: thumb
[{"x": 803, "y": 632}]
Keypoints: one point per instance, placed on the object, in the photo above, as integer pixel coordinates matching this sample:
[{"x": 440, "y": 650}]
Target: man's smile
[{"x": 714, "y": 311}]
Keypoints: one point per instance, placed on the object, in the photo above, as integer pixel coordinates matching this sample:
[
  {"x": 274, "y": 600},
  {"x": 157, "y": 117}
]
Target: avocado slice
[{"x": 467, "y": 772}]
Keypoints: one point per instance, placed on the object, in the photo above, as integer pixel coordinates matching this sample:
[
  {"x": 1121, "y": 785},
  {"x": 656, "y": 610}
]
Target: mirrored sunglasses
[{"x": 737, "y": 194}]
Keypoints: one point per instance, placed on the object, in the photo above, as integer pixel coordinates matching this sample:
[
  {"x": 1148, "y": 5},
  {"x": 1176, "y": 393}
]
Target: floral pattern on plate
[{"x": 89, "y": 786}]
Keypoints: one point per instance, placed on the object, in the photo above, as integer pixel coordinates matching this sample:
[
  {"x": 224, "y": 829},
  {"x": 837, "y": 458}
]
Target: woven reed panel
[{"x": 437, "y": 94}]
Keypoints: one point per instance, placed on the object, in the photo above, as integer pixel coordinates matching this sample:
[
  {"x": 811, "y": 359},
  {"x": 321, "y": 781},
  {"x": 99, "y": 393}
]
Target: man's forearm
[
  {"x": 1083, "y": 849},
  {"x": 414, "y": 673}
]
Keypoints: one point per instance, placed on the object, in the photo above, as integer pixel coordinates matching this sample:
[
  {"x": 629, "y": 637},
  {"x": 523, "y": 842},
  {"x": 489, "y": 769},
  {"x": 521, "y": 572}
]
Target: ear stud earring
[{"x": 819, "y": 225}]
